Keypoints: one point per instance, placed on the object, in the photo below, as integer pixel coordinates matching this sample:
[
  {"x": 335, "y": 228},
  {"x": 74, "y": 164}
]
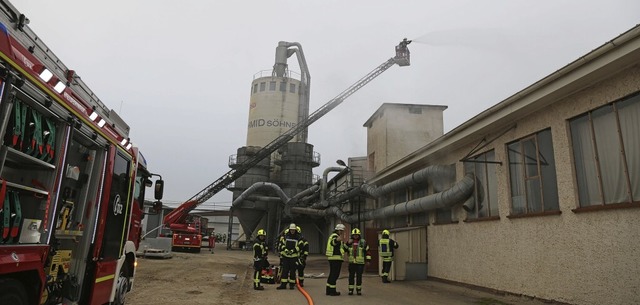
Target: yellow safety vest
[
  {"x": 334, "y": 252},
  {"x": 384, "y": 249},
  {"x": 360, "y": 254}
]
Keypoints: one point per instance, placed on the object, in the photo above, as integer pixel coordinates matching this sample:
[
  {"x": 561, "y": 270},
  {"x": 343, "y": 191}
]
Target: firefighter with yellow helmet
[
  {"x": 260, "y": 251},
  {"x": 359, "y": 256},
  {"x": 386, "y": 247},
  {"x": 334, "y": 253}
]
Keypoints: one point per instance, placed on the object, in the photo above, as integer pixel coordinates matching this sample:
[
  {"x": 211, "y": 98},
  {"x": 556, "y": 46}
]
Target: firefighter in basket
[
  {"x": 359, "y": 255},
  {"x": 290, "y": 250},
  {"x": 260, "y": 251},
  {"x": 302, "y": 260}
]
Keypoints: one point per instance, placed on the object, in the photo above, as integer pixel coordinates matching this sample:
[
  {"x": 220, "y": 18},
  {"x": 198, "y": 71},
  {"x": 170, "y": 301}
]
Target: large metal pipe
[
  {"x": 435, "y": 175},
  {"x": 280, "y": 67},
  {"x": 325, "y": 177},
  {"x": 310, "y": 191},
  {"x": 460, "y": 192},
  {"x": 253, "y": 188}
]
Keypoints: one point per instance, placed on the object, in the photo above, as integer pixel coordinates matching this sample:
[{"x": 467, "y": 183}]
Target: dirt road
[{"x": 198, "y": 279}]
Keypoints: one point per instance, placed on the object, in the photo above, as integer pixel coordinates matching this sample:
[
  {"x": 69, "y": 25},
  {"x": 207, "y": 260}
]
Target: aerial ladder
[{"x": 175, "y": 220}]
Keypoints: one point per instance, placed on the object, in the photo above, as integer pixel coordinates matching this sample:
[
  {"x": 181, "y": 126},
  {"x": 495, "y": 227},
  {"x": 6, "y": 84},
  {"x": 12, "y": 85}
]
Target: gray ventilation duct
[
  {"x": 255, "y": 187},
  {"x": 461, "y": 191},
  {"x": 436, "y": 175},
  {"x": 283, "y": 51}
]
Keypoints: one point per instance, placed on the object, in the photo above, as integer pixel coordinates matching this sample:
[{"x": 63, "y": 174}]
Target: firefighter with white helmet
[
  {"x": 334, "y": 253},
  {"x": 260, "y": 251},
  {"x": 359, "y": 256},
  {"x": 386, "y": 246},
  {"x": 290, "y": 249}
]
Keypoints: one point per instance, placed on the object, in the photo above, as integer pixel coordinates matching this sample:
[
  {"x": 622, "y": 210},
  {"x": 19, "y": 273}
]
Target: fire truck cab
[{"x": 72, "y": 185}]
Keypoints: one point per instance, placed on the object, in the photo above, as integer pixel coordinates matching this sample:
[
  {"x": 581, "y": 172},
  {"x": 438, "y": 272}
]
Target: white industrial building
[{"x": 556, "y": 185}]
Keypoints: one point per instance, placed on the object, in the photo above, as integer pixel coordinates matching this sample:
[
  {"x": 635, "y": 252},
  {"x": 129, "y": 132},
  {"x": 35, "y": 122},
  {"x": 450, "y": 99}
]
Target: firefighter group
[{"x": 293, "y": 250}]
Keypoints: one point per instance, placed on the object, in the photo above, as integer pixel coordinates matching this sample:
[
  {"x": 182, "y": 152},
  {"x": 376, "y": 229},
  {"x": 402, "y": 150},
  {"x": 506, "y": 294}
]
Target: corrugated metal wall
[
  {"x": 311, "y": 233},
  {"x": 413, "y": 249}
]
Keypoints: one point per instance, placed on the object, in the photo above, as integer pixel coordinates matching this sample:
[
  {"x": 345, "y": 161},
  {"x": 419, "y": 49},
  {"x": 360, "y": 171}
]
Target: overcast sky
[{"x": 179, "y": 72}]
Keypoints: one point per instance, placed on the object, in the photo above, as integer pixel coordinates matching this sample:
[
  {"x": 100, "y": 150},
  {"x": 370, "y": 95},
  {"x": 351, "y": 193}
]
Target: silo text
[{"x": 271, "y": 123}]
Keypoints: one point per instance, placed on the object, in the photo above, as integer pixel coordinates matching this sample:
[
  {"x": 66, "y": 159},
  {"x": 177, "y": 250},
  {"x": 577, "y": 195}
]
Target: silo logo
[
  {"x": 117, "y": 205},
  {"x": 271, "y": 123}
]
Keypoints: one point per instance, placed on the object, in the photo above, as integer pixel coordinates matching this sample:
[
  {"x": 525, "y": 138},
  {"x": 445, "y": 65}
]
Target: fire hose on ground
[{"x": 304, "y": 292}]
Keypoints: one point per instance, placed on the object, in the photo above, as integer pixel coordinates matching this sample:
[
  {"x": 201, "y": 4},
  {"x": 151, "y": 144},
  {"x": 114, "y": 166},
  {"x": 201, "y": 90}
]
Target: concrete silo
[{"x": 278, "y": 101}]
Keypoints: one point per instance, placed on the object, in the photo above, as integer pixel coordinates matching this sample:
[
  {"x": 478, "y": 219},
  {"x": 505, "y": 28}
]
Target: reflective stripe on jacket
[
  {"x": 334, "y": 248},
  {"x": 385, "y": 248},
  {"x": 290, "y": 246},
  {"x": 358, "y": 252}
]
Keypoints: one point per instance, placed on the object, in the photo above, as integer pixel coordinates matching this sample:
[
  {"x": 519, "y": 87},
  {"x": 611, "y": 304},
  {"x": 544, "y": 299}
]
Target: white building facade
[{"x": 557, "y": 171}]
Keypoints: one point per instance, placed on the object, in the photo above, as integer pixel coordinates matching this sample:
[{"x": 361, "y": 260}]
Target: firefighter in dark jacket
[
  {"x": 289, "y": 254},
  {"x": 302, "y": 260},
  {"x": 260, "y": 251},
  {"x": 278, "y": 246},
  {"x": 335, "y": 253},
  {"x": 386, "y": 246},
  {"x": 359, "y": 255}
]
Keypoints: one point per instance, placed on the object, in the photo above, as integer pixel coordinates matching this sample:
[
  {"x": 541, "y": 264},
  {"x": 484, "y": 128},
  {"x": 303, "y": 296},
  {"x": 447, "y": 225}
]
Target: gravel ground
[{"x": 195, "y": 279}]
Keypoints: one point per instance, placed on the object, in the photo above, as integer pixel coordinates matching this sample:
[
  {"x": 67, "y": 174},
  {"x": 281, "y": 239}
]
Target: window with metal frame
[
  {"x": 532, "y": 174},
  {"x": 272, "y": 86},
  {"x": 116, "y": 219},
  {"x": 606, "y": 153},
  {"x": 485, "y": 193}
]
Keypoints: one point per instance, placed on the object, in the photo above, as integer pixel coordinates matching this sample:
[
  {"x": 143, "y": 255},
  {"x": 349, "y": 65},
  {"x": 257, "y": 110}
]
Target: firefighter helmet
[
  {"x": 385, "y": 232},
  {"x": 339, "y": 227},
  {"x": 261, "y": 232},
  {"x": 355, "y": 231},
  {"x": 293, "y": 226}
]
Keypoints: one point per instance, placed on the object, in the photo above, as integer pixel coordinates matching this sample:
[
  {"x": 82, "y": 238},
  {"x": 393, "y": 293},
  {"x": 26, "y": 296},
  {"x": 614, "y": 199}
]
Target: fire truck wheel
[
  {"x": 12, "y": 292},
  {"x": 121, "y": 287}
]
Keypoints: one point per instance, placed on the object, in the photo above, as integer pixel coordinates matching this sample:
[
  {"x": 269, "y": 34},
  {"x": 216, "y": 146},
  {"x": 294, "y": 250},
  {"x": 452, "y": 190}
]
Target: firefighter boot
[
  {"x": 283, "y": 285},
  {"x": 301, "y": 283},
  {"x": 333, "y": 292},
  {"x": 359, "y": 291},
  {"x": 258, "y": 288},
  {"x": 385, "y": 279},
  {"x": 291, "y": 286},
  {"x": 350, "y": 291},
  {"x": 328, "y": 291}
]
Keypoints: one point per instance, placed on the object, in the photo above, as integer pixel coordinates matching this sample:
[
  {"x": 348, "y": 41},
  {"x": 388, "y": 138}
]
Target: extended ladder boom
[{"x": 401, "y": 58}]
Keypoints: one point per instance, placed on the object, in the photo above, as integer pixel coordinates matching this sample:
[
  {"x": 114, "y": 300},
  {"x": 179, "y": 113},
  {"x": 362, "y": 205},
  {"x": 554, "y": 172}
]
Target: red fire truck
[
  {"x": 187, "y": 236},
  {"x": 72, "y": 185}
]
